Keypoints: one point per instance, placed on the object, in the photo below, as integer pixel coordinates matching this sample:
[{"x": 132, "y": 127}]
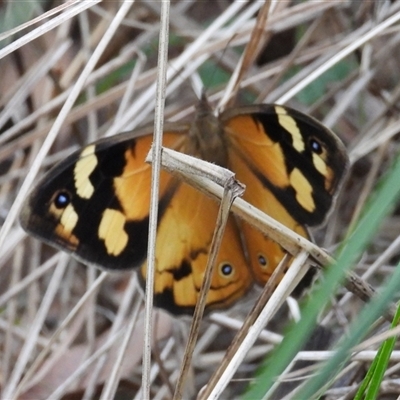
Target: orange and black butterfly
[{"x": 95, "y": 204}]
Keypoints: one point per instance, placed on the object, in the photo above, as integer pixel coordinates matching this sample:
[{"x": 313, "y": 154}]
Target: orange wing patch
[
  {"x": 264, "y": 253},
  {"x": 133, "y": 187},
  {"x": 265, "y": 154},
  {"x": 183, "y": 240}
]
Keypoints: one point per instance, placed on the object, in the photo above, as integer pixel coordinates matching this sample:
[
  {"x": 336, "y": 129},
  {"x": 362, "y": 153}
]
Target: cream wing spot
[
  {"x": 290, "y": 125},
  {"x": 303, "y": 190},
  {"x": 111, "y": 230},
  {"x": 69, "y": 219},
  {"x": 83, "y": 168},
  {"x": 319, "y": 164}
]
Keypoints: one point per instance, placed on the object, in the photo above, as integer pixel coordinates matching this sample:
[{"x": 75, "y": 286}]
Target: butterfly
[{"x": 95, "y": 203}]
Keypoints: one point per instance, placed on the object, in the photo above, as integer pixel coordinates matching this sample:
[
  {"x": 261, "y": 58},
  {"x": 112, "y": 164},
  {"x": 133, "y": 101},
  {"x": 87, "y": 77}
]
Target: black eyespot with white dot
[
  {"x": 62, "y": 199},
  {"x": 262, "y": 261},
  {"x": 315, "y": 145},
  {"x": 226, "y": 269}
]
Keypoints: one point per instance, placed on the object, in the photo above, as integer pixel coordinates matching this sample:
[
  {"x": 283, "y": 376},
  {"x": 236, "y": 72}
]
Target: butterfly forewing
[
  {"x": 291, "y": 165},
  {"x": 95, "y": 204},
  {"x": 292, "y": 155}
]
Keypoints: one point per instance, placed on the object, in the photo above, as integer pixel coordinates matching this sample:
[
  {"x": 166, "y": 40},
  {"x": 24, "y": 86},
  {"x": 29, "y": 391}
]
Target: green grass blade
[{"x": 372, "y": 381}]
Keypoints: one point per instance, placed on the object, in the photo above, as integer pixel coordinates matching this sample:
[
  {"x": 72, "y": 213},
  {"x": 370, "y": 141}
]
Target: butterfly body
[{"x": 95, "y": 204}]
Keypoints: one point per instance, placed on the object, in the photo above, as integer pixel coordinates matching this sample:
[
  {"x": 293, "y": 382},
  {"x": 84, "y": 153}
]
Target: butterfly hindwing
[{"x": 183, "y": 239}]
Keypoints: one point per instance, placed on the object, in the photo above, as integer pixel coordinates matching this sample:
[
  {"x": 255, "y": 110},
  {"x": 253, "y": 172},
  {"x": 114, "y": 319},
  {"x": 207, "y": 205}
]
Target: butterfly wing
[
  {"x": 183, "y": 240},
  {"x": 264, "y": 254},
  {"x": 292, "y": 166},
  {"x": 95, "y": 205}
]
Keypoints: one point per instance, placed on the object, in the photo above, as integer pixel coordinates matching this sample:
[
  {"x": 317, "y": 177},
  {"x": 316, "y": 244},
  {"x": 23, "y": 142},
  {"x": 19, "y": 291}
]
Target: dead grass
[{"x": 64, "y": 84}]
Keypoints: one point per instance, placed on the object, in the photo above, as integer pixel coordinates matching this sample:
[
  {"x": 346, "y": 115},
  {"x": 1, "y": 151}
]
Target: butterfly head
[{"x": 206, "y": 136}]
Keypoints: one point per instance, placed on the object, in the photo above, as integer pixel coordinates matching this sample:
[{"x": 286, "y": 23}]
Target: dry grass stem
[{"x": 79, "y": 71}]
